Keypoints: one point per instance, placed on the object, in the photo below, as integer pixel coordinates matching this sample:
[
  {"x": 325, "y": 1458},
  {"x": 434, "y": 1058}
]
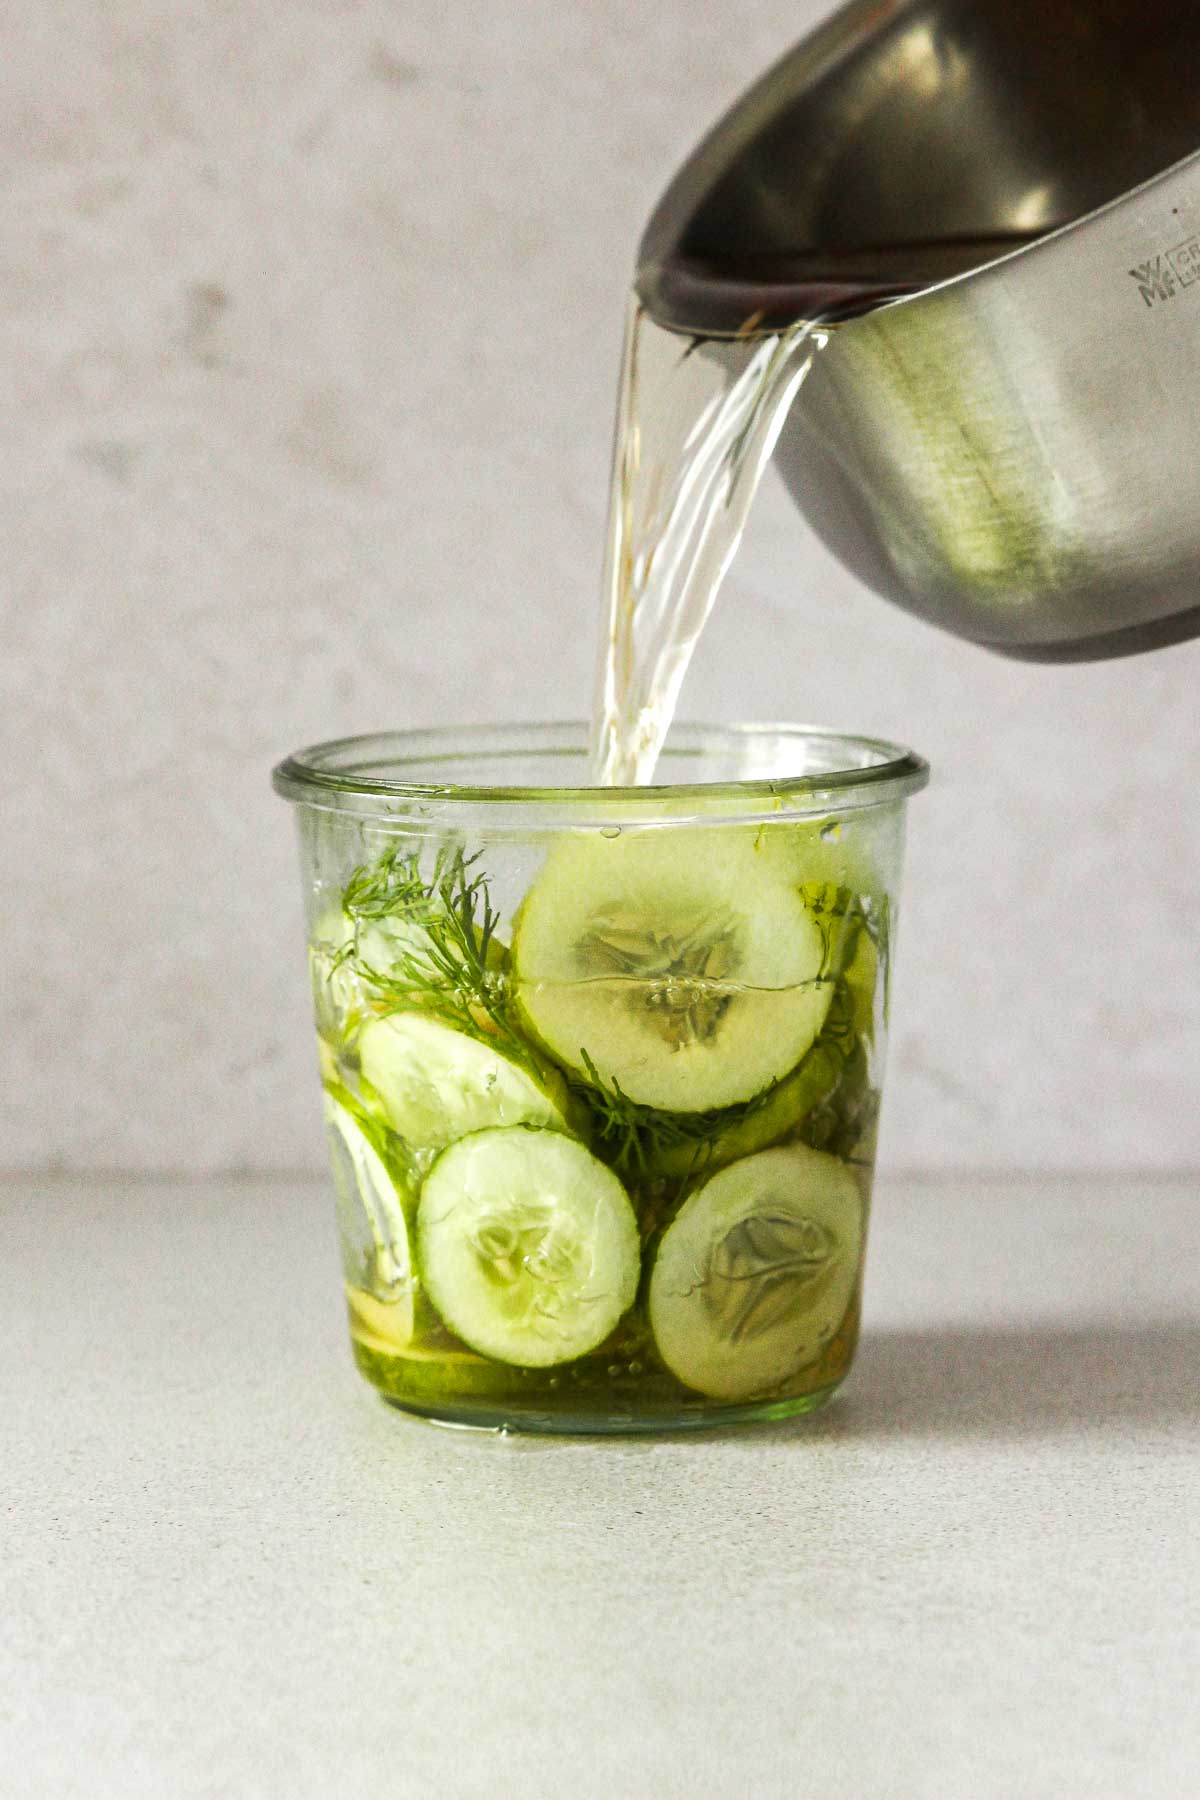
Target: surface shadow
[{"x": 991, "y": 1382}]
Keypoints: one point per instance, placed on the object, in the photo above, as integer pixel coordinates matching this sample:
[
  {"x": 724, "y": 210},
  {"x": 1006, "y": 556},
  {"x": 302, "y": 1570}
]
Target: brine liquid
[
  {"x": 697, "y": 420},
  {"x": 620, "y": 1387}
]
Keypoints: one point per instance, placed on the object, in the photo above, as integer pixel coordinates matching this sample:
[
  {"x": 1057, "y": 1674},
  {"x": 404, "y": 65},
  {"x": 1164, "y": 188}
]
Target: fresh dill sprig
[
  {"x": 631, "y": 1136},
  {"x": 442, "y": 931}
]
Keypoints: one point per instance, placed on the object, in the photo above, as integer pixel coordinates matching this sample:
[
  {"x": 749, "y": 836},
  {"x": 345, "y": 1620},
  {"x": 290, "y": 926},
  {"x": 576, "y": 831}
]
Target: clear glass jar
[{"x": 602, "y": 1067}]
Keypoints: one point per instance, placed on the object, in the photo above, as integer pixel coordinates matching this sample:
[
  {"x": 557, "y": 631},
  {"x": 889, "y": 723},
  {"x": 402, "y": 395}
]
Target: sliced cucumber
[
  {"x": 845, "y": 869},
  {"x": 852, "y": 852},
  {"x": 371, "y": 1217},
  {"x": 681, "y": 966},
  {"x": 442, "y": 1381},
  {"x": 528, "y": 1246},
  {"x": 846, "y": 1123},
  {"x": 754, "y": 1275},
  {"x": 381, "y": 1325},
  {"x": 436, "y": 1085},
  {"x": 339, "y": 1004}
]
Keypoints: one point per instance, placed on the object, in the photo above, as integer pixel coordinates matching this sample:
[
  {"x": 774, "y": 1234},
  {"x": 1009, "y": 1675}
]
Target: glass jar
[{"x": 602, "y": 1066}]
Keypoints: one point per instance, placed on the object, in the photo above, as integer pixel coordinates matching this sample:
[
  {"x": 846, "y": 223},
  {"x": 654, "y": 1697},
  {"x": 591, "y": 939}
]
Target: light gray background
[{"x": 311, "y": 317}]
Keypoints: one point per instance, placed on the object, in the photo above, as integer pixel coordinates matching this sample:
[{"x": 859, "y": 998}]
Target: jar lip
[{"x": 339, "y": 773}]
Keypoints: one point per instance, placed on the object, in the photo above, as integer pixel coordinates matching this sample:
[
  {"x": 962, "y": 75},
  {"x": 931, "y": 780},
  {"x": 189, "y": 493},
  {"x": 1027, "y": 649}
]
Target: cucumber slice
[
  {"x": 441, "y": 1382},
  {"x": 754, "y": 1275},
  {"x": 380, "y": 1325},
  {"x": 846, "y": 1124},
  {"x": 374, "y": 1231},
  {"x": 390, "y": 945},
  {"x": 681, "y": 966},
  {"x": 338, "y": 1000},
  {"x": 436, "y": 1085},
  {"x": 528, "y": 1246},
  {"x": 853, "y": 852}
]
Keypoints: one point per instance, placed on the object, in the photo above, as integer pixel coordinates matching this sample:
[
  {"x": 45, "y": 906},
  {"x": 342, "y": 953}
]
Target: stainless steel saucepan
[{"x": 997, "y": 204}]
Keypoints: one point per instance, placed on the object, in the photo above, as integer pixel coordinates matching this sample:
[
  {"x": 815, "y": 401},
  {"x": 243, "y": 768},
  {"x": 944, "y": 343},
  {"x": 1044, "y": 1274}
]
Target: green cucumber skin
[
  {"x": 623, "y": 1376},
  {"x": 793, "y": 1109},
  {"x": 755, "y": 1274},
  {"x": 359, "y": 1103}
]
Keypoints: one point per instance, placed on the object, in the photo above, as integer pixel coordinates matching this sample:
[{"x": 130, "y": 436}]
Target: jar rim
[{"x": 367, "y": 773}]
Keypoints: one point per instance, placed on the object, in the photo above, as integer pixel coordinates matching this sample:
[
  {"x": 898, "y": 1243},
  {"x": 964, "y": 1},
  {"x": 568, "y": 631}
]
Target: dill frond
[
  {"x": 631, "y": 1136},
  {"x": 442, "y": 931}
]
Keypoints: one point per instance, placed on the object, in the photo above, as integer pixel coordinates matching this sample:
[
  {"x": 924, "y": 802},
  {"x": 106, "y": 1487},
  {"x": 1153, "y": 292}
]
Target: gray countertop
[{"x": 228, "y": 1570}]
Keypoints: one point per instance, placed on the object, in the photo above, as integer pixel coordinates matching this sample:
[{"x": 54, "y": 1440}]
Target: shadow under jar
[{"x": 602, "y": 1067}]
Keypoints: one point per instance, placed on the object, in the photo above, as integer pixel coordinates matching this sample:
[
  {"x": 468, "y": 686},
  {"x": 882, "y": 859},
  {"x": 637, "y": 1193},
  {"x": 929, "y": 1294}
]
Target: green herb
[
  {"x": 444, "y": 950},
  {"x": 630, "y": 1136},
  {"x": 361, "y": 1103}
]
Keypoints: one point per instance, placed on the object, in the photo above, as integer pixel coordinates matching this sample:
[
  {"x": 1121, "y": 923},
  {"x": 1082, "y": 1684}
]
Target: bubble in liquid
[
  {"x": 832, "y": 832},
  {"x": 610, "y": 831}
]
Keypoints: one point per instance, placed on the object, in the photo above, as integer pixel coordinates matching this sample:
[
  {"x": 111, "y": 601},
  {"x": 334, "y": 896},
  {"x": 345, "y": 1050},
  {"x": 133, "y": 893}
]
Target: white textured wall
[{"x": 310, "y": 319}]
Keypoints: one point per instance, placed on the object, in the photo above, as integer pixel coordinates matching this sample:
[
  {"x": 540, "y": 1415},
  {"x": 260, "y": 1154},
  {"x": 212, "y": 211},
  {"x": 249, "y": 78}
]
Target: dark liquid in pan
[{"x": 710, "y": 298}]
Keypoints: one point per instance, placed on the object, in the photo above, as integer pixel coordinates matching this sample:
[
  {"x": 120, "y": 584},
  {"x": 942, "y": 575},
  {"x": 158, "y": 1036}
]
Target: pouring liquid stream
[
  {"x": 697, "y": 421},
  {"x": 698, "y": 417}
]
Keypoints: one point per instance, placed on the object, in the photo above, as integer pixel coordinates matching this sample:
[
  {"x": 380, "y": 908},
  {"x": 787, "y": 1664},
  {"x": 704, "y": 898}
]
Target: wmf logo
[{"x": 1162, "y": 277}]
